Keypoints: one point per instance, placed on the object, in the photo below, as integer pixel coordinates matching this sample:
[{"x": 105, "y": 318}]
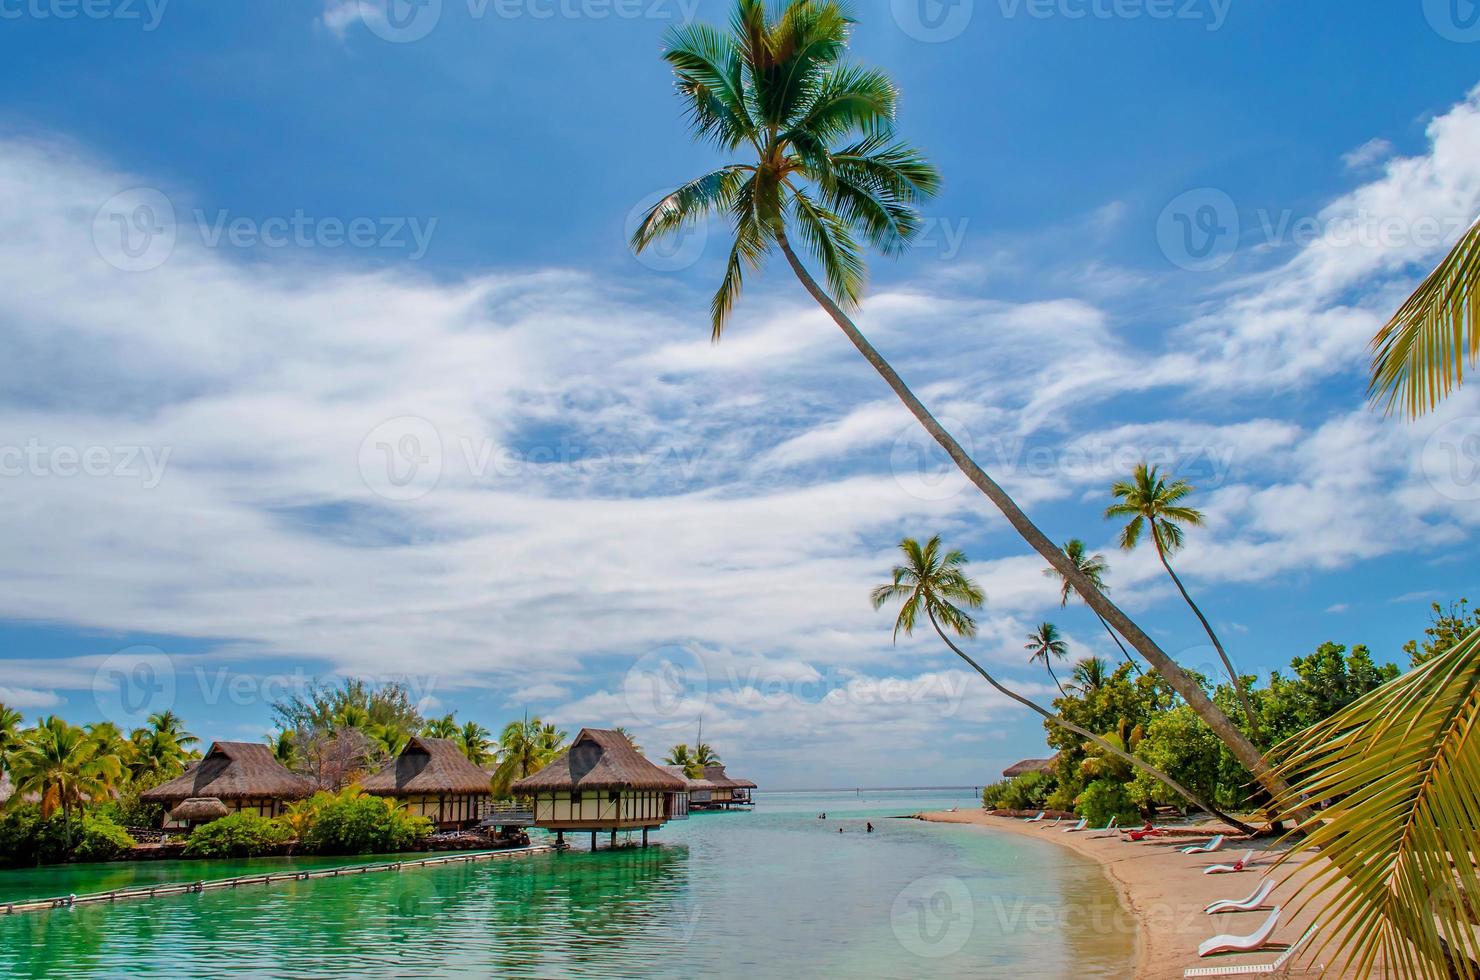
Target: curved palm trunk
[
  {"x": 1238, "y": 684},
  {"x": 1099, "y": 742},
  {"x": 1123, "y": 651},
  {"x": 1244, "y": 750},
  {"x": 1055, "y": 677}
]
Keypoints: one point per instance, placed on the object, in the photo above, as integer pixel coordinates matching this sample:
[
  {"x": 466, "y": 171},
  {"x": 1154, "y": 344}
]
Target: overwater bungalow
[
  {"x": 434, "y": 779},
  {"x": 700, "y": 789},
  {"x": 239, "y": 776},
  {"x": 601, "y": 783},
  {"x": 728, "y": 792}
]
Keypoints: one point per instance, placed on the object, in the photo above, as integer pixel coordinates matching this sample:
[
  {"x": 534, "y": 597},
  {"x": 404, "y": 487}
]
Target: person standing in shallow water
[{"x": 870, "y": 827}]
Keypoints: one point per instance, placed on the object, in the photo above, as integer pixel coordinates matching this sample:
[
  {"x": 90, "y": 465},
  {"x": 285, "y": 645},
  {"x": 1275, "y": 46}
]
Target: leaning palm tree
[
  {"x": 1044, "y": 644},
  {"x": 63, "y": 765},
  {"x": 1092, "y": 567},
  {"x": 821, "y": 160},
  {"x": 933, "y": 583},
  {"x": 1394, "y": 853},
  {"x": 1420, "y": 355},
  {"x": 1150, "y": 501}
]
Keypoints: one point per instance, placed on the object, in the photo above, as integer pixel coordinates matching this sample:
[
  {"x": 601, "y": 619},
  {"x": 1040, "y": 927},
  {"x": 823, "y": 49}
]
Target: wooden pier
[{"x": 194, "y": 887}]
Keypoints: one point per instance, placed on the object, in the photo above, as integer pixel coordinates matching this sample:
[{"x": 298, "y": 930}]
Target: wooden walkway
[{"x": 194, "y": 887}]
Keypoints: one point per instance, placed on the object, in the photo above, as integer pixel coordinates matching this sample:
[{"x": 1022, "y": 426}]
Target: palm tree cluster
[
  {"x": 693, "y": 759},
  {"x": 66, "y": 767}
]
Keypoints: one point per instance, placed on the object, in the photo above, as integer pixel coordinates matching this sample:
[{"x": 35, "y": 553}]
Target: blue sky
[{"x": 326, "y": 355}]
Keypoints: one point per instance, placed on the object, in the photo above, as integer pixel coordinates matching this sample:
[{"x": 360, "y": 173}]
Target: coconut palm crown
[
  {"x": 933, "y": 582},
  {"x": 820, "y": 155}
]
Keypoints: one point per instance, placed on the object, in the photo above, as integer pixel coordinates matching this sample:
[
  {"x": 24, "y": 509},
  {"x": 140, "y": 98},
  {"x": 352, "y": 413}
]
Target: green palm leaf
[
  {"x": 1420, "y": 355},
  {"x": 1399, "y": 772}
]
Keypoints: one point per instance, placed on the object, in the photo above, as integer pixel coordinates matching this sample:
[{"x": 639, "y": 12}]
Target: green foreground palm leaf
[{"x": 1399, "y": 771}]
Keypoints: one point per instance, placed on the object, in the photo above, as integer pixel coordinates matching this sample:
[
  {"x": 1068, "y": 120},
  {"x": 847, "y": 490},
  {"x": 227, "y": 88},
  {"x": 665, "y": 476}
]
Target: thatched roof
[
  {"x": 1030, "y": 765},
  {"x": 232, "y": 771},
  {"x": 199, "y": 809},
  {"x": 716, "y": 775},
  {"x": 596, "y": 760},
  {"x": 695, "y": 785},
  {"x": 433, "y": 766}
]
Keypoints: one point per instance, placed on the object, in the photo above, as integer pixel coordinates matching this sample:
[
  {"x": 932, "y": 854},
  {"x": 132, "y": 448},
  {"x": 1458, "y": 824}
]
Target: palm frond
[
  {"x": 849, "y": 99},
  {"x": 707, "y": 65},
  {"x": 699, "y": 198},
  {"x": 828, "y": 238},
  {"x": 1399, "y": 773},
  {"x": 1420, "y": 355}
]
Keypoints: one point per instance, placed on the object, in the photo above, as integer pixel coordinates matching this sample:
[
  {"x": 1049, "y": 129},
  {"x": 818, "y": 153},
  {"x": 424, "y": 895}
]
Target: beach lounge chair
[
  {"x": 1242, "y": 864},
  {"x": 1041, "y": 815},
  {"x": 1279, "y": 968},
  {"x": 1056, "y": 821},
  {"x": 1245, "y": 904},
  {"x": 1077, "y": 827},
  {"x": 1213, "y": 845},
  {"x": 1109, "y": 829},
  {"x": 1242, "y": 944}
]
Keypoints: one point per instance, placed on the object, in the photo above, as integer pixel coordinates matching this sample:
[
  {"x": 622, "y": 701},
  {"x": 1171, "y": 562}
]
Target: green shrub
[
  {"x": 237, "y": 835},
  {"x": 1025, "y": 792},
  {"x": 1106, "y": 798},
  {"x": 101, "y": 839},
  {"x": 352, "y": 823}
]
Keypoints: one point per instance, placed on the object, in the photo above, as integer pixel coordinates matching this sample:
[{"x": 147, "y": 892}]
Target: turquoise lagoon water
[{"x": 773, "y": 892}]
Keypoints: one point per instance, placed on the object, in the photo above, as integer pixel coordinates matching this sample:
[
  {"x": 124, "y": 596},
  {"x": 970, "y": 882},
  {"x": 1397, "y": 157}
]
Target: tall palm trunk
[
  {"x": 1114, "y": 636},
  {"x": 1055, "y": 677},
  {"x": 1085, "y": 733},
  {"x": 1182, "y": 682},
  {"x": 1238, "y": 684}
]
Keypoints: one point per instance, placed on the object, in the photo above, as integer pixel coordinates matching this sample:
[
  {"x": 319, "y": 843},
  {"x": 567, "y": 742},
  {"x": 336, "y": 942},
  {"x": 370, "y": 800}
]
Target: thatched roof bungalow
[
  {"x": 434, "y": 779},
  {"x": 1029, "y": 765},
  {"x": 198, "y": 810},
  {"x": 243, "y": 776},
  {"x": 602, "y": 783},
  {"x": 700, "y": 789},
  {"x": 728, "y": 791}
]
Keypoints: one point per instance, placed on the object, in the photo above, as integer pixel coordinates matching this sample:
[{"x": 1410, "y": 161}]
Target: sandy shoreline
[{"x": 1165, "y": 892}]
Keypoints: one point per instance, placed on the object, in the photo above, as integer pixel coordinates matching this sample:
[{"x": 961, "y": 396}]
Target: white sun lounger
[
  {"x": 1280, "y": 967},
  {"x": 1243, "y": 905},
  {"x": 1041, "y": 815},
  {"x": 1242, "y": 944},
  {"x": 1109, "y": 829},
  {"x": 1077, "y": 827},
  {"x": 1215, "y": 844},
  {"x": 1242, "y": 864},
  {"x": 1056, "y": 821}
]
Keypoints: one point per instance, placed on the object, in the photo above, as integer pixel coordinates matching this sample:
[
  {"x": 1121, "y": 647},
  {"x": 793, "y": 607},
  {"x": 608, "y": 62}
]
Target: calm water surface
[{"x": 770, "y": 893}]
